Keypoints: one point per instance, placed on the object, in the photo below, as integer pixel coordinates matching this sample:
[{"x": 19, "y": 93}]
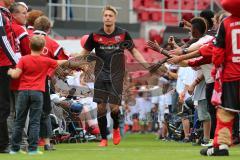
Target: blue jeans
[{"x": 31, "y": 101}]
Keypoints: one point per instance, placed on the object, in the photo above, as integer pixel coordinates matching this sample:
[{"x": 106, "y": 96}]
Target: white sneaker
[{"x": 17, "y": 152}]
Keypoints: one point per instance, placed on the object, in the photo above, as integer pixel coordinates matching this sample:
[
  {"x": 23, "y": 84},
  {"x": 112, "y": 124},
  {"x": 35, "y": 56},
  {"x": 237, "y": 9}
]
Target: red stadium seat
[
  {"x": 171, "y": 4},
  {"x": 137, "y": 4},
  {"x": 187, "y": 16},
  {"x": 203, "y": 4},
  {"x": 154, "y": 35},
  {"x": 144, "y": 16},
  {"x": 148, "y": 3},
  {"x": 156, "y": 16},
  {"x": 171, "y": 18},
  {"x": 188, "y": 4}
]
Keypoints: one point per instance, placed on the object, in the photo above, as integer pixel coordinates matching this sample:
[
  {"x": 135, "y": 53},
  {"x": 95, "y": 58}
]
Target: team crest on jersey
[
  {"x": 45, "y": 51},
  {"x": 117, "y": 38},
  {"x": 100, "y": 39}
]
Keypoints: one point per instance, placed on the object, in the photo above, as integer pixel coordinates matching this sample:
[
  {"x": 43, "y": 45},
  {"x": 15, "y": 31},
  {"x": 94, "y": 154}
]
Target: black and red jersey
[
  {"x": 227, "y": 50},
  {"x": 109, "y": 48},
  {"x": 7, "y": 40}
]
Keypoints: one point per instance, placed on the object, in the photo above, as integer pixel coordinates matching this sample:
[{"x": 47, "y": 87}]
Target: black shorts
[
  {"x": 108, "y": 92},
  {"x": 231, "y": 95}
]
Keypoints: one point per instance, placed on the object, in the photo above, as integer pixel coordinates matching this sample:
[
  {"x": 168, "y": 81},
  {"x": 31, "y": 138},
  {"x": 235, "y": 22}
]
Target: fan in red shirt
[
  {"x": 51, "y": 50},
  {"x": 7, "y": 59},
  {"x": 19, "y": 13},
  {"x": 226, "y": 54},
  {"x": 32, "y": 72}
]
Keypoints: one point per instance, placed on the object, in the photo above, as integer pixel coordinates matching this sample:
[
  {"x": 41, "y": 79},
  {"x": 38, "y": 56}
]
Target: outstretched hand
[
  {"x": 177, "y": 51},
  {"x": 154, "y": 46},
  {"x": 174, "y": 60}
]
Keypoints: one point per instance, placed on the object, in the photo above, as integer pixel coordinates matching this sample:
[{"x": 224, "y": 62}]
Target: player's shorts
[
  {"x": 231, "y": 96},
  {"x": 108, "y": 92}
]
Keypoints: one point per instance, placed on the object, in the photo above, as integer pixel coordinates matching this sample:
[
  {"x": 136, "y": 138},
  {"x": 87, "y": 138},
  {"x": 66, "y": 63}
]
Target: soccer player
[{"x": 109, "y": 43}]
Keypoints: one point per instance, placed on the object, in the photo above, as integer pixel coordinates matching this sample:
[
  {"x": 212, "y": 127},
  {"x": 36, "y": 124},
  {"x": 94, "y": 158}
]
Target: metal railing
[{"x": 66, "y": 8}]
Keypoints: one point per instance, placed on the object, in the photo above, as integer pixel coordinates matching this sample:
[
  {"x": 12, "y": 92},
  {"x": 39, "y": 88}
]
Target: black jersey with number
[{"x": 109, "y": 49}]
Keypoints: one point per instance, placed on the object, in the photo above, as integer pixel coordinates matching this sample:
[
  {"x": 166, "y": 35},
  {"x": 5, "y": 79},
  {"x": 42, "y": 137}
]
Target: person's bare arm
[
  {"x": 180, "y": 51},
  {"x": 172, "y": 75},
  {"x": 14, "y": 73},
  {"x": 178, "y": 59},
  {"x": 62, "y": 62},
  {"x": 138, "y": 56},
  {"x": 195, "y": 83}
]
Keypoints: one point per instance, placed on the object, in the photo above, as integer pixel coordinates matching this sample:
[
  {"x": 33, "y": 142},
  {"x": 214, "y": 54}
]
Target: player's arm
[
  {"x": 14, "y": 73},
  {"x": 138, "y": 56},
  {"x": 4, "y": 43}
]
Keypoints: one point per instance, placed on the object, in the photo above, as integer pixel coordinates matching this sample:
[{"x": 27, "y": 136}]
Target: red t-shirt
[
  {"x": 34, "y": 72},
  {"x": 227, "y": 50}
]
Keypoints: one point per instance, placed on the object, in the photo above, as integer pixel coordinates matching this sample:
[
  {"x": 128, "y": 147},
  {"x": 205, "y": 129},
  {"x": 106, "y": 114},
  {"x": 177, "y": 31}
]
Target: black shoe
[
  {"x": 6, "y": 150},
  {"x": 48, "y": 147},
  {"x": 214, "y": 152}
]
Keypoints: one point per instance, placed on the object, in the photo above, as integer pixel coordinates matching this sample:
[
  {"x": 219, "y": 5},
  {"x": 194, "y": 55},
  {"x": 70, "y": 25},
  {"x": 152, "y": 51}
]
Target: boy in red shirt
[{"x": 32, "y": 71}]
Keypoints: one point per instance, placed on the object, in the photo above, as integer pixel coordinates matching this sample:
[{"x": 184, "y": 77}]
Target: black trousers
[
  {"x": 45, "y": 122},
  {"x": 211, "y": 108},
  {"x": 4, "y": 106}
]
